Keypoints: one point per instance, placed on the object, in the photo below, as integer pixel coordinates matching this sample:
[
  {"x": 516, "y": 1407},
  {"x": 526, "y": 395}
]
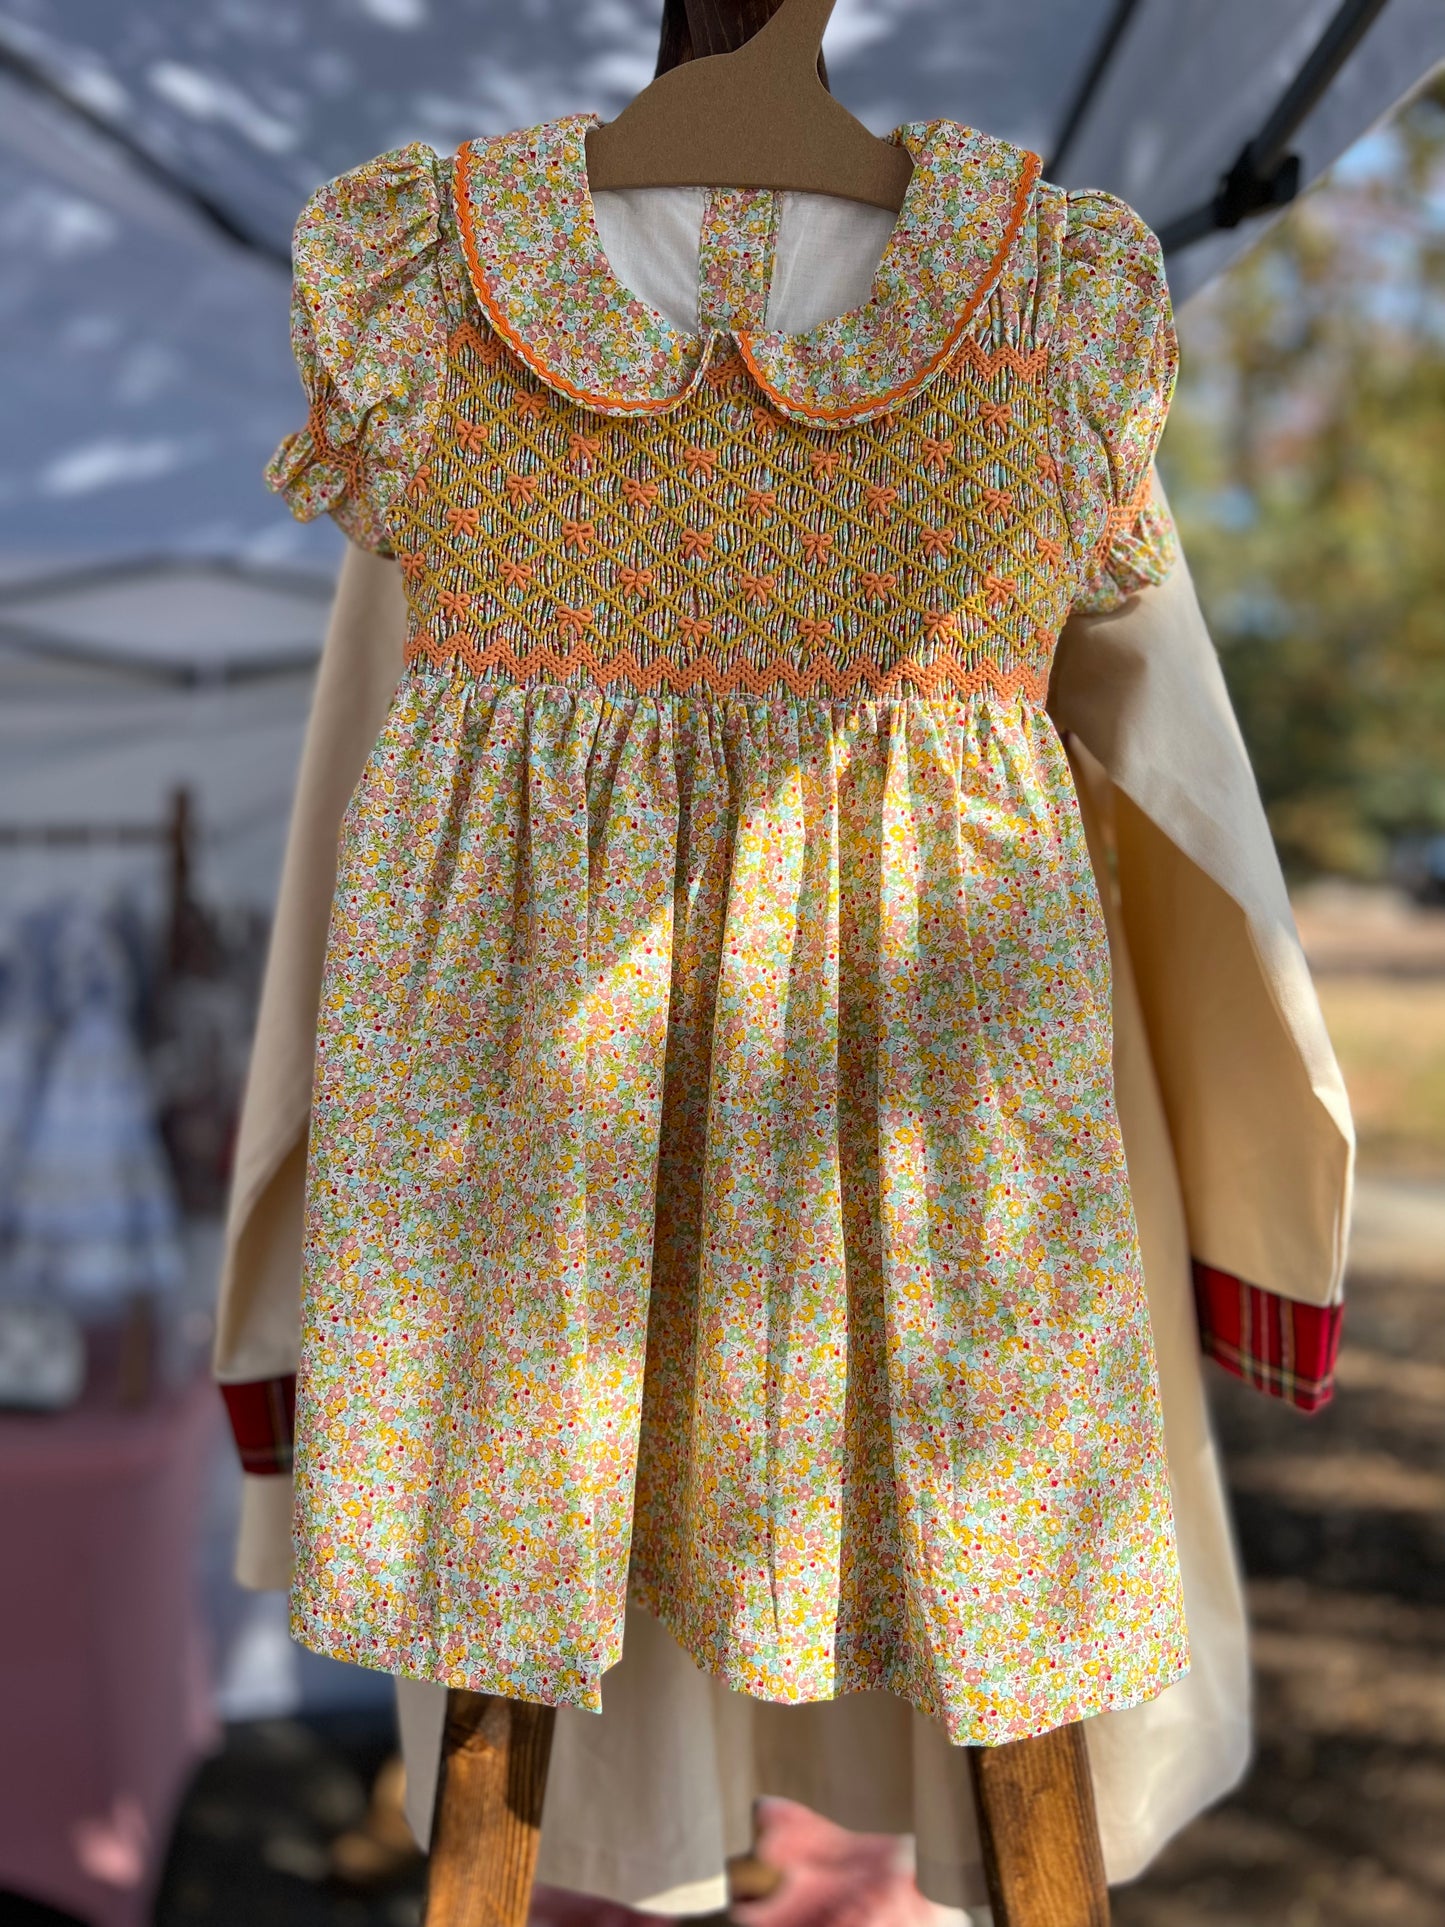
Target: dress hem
[{"x": 336, "y": 1638}]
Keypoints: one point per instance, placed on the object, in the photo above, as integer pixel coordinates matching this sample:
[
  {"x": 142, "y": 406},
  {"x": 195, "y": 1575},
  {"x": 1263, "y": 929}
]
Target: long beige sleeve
[
  {"x": 258, "y": 1316},
  {"x": 1256, "y": 1107}
]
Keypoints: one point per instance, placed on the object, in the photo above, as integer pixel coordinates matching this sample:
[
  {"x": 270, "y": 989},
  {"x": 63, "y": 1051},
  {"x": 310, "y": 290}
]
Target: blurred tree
[{"x": 1306, "y": 462}]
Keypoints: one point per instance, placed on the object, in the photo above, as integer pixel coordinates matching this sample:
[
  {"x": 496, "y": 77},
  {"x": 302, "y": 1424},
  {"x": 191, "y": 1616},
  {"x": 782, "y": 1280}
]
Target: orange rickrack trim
[
  {"x": 652, "y": 404},
  {"x": 949, "y": 674},
  {"x": 1029, "y": 365},
  {"x": 1028, "y": 178},
  {"x": 461, "y": 202}
]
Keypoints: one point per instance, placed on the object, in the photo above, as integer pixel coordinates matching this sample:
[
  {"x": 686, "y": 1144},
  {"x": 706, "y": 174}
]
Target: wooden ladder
[{"x": 1035, "y": 1816}]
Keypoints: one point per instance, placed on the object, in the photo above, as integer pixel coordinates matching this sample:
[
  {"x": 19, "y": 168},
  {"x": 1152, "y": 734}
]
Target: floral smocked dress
[{"x": 715, "y": 1188}]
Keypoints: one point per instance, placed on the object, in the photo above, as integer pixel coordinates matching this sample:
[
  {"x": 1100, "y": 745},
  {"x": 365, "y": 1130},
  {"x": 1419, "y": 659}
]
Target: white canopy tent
[{"x": 152, "y": 161}]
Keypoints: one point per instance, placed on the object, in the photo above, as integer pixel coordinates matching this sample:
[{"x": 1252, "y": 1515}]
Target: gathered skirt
[{"x": 716, "y": 1197}]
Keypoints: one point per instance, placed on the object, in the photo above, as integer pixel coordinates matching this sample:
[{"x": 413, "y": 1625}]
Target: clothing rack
[{"x": 176, "y": 835}]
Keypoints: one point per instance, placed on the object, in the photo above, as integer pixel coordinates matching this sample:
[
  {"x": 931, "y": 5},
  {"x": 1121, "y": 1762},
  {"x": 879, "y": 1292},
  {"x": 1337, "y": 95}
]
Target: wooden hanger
[{"x": 757, "y": 117}]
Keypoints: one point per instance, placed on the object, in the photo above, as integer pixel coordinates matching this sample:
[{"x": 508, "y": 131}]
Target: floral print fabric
[
  {"x": 374, "y": 284},
  {"x": 715, "y": 1187}
]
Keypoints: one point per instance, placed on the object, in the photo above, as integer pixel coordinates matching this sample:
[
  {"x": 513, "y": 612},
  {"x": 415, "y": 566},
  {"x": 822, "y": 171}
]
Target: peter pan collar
[{"x": 537, "y": 264}]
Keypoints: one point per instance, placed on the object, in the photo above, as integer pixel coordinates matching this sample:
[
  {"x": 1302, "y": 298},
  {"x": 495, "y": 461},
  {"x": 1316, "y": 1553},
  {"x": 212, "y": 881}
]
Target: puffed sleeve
[
  {"x": 1115, "y": 361},
  {"x": 369, "y": 322}
]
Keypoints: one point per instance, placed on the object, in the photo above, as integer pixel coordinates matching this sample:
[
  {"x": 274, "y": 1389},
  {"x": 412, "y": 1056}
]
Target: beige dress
[{"x": 1238, "y": 1147}]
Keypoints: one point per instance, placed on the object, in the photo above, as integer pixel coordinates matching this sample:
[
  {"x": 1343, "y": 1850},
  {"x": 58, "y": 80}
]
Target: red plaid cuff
[
  {"x": 263, "y": 1421},
  {"x": 1276, "y": 1344}
]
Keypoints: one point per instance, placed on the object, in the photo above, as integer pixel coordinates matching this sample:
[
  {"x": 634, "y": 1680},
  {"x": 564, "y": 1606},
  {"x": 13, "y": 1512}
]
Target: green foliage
[{"x": 1306, "y": 462}]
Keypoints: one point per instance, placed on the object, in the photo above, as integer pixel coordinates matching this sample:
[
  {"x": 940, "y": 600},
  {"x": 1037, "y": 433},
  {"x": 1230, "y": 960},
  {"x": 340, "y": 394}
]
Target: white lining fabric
[{"x": 826, "y": 253}]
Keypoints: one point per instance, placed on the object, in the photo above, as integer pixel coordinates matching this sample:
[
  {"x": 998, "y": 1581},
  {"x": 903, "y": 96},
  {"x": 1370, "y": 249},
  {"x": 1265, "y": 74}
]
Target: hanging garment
[
  {"x": 645, "y": 1803},
  {"x": 249, "y": 1209},
  {"x": 95, "y": 1215}
]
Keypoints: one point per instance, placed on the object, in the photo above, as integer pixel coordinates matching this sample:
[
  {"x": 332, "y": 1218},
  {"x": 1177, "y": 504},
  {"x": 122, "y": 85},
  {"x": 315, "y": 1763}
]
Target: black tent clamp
[{"x": 1266, "y": 174}]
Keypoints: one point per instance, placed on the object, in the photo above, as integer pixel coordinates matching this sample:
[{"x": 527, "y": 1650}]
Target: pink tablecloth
[{"x": 104, "y": 1702}]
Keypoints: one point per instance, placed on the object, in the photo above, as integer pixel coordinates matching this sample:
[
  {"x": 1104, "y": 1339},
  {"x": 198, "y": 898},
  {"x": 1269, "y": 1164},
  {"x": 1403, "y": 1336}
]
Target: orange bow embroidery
[
  {"x": 1051, "y": 550},
  {"x": 761, "y": 501},
  {"x": 936, "y": 454},
  {"x": 999, "y": 589},
  {"x": 700, "y": 461},
  {"x": 514, "y": 573},
  {"x": 879, "y": 502},
  {"x": 463, "y": 521},
  {"x": 584, "y": 449},
  {"x": 472, "y": 437},
  {"x": 696, "y": 543},
  {"x": 413, "y": 567},
  {"x": 937, "y": 542},
  {"x": 695, "y": 628},
  {"x": 813, "y": 630},
  {"x": 759, "y": 588},
  {"x": 454, "y": 602},
  {"x": 523, "y": 488},
  {"x": 939, "y": 623},
  {"x": 573, "y": 621},
  {"x": 635, "y": 581},
  {"x": 998, "y": 500},
  {"x": 877, "y": 584},
  {"x": 532, "y": 405},
  {"x": 420, "y": 482},
  {"x": 764, "y": 421},
  {"x": 817, "y": 544},
  {"x": 579, "y": 536},
  {"x": 997, "y": 414},
  {"x": 824, "y": 463},
  {"x": 639, "y": 494},
  {"x": 1048, "y": 469}
]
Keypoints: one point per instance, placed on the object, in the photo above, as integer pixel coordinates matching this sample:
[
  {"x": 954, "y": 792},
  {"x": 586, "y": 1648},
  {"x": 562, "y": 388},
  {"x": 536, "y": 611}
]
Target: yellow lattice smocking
[{"x": 723, "y": 548}]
